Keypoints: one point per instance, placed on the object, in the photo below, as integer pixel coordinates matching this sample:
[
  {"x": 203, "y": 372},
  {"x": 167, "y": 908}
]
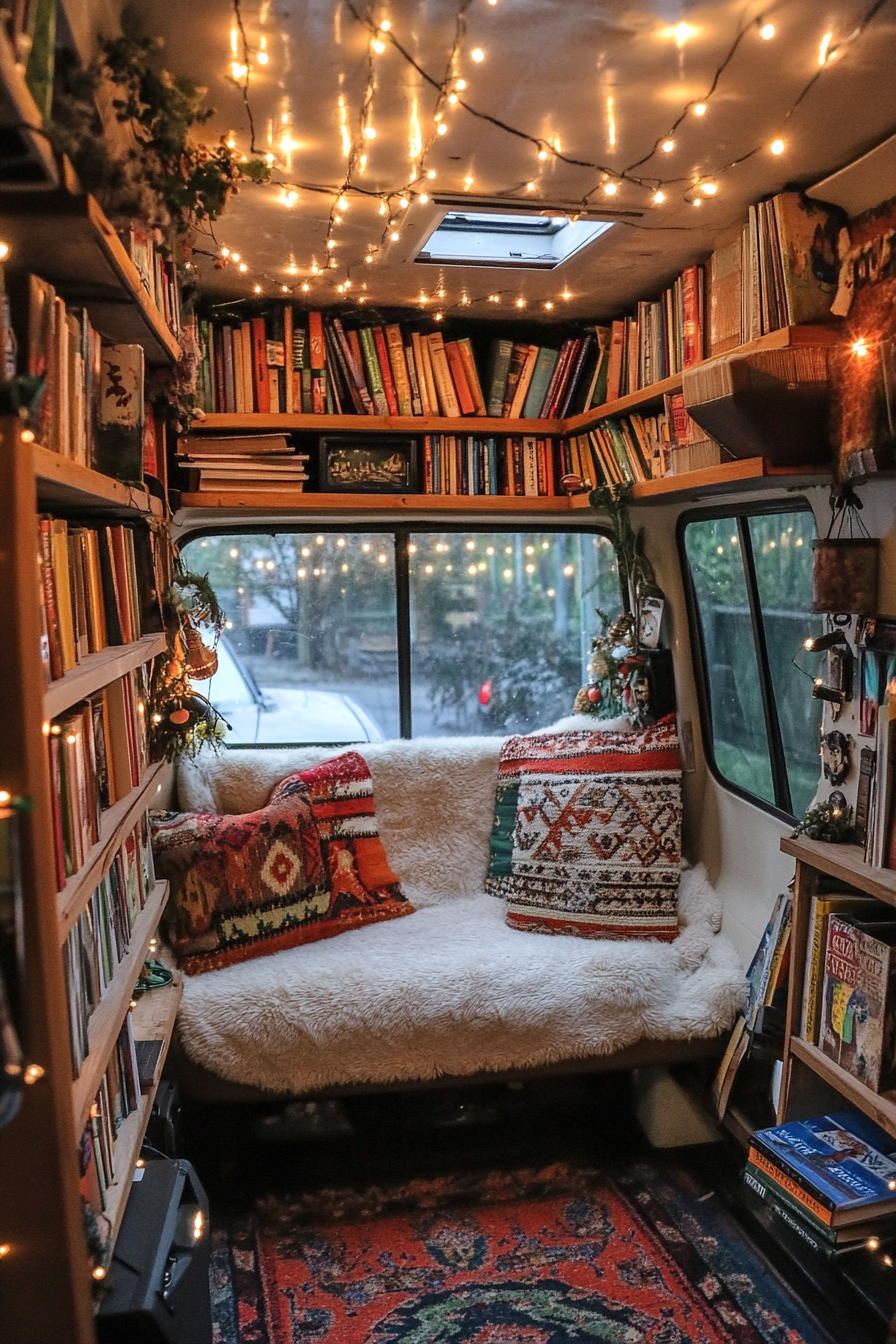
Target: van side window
[{"x": 749, "y": 579}]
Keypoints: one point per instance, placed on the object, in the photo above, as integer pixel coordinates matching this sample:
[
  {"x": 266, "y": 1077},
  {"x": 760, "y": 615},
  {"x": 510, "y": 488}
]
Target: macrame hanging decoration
[{"x": 845, "y": 562}]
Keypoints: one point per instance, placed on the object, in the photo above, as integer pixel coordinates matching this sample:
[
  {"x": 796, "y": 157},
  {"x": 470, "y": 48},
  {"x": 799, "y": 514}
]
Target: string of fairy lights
[{"x": 635, "y": 183}]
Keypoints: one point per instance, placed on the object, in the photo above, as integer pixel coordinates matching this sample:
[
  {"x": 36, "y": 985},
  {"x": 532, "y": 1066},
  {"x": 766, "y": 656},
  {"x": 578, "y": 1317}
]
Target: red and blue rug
[{"x": 536, "y": 1257}]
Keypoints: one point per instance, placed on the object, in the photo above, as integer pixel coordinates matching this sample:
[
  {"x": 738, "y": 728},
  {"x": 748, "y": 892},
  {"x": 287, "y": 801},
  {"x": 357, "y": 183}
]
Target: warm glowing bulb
[
  {"x": 698, "y": 200},
  {"x": 243, "y": 267},
  {"x": 658, "y": 197},
  {"x": 699, "y": 109},
  {"x": 342, "y": 203},
  {"x": 404, "y": 202},
  {"x": 4, "y": 251},
  {"x": 368, "y": 259},
  {"x": 231, "y": 143},
  {"x": 236, "y": 256},
  {"x": 370, "y": 132},
  {"x": 340, "y": 289},
  {"x": 824, "y": 47},
  {"x": 431, "y": 174},
  {"x": 860, "y": 347},
  {"x": 438, "y": 316},
  {"x": 709, "y": 188},
  {"x": 33, "y": 1073},
  {"x": 530, "y": 186},
  {"x": 452, "y": 98},
  {"x": 99, "y": 1273},
  {"x": 566, "y": 295},
  {"x": 423, "y": 198},
  {"x": 238, "y": 70},
  {"x": 767, "y": 31},
  {"x": 777, "y": 146},
  {"x": 305, "y": 287},
  {"x": 549, "y": 305},
  {"x": 394, "y": 236},
  {"x": 681, "y": 32},
  {"x": 521, "y": 303},
  {"x": 610, "y": 188},
  {"x": 269, "y": 159},
  {"x": 542, "y": 154},
  {"x": 379, "y": 47},
  {"x": 5, "y": 1249},
  {"x": 477, "y": 55},
  {"x": 256, "y": 289},
  {"x": 460, "y": 84},
  {"x": 263, "y": 58},
  {"x": 872, "y": 1243},
  {"x": 385, "y": 25},
  {"x": 667, "y": 146},
  {"x": 441, "y": 129},
  {"x": 331, "y": 242},
  {"x": 292, "y": 268},
  {"x": 27, "y": 435}
]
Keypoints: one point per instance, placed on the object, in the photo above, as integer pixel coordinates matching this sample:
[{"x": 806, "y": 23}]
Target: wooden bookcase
[
  {"x": 45, "y": 1287},
  {"x": 811, "y": 1080},
  {"x": 745, "y": 474}
]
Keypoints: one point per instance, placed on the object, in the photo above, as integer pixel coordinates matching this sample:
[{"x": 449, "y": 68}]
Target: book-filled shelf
[{"x": 85, "y": 562}]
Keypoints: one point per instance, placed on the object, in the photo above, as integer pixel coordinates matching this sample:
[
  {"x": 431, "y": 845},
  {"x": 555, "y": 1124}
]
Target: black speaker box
[{"x": 159, "y": 1277}]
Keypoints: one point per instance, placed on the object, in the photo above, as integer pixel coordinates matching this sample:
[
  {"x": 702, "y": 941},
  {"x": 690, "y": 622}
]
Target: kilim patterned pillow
[
  {"x": 242, "y": 886},
  {"x": 597, "y": 837},
  {"x": 340, "y": 792}
]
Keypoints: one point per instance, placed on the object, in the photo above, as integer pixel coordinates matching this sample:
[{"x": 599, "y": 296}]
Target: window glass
[
  {"x": 782, "y": 556},
  {"x": 501, "y": 624},
  {"x": 737, "y": 665},
  {"x": 310, "y": 653},
  {"x": 739, "y": 739}
]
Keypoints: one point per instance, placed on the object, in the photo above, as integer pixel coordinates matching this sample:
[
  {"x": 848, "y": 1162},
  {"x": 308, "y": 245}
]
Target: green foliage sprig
[
  {"x": 159, "y": 174},
  {"x": 825, "y": 821},
  {"x": 635, "y": 570}
]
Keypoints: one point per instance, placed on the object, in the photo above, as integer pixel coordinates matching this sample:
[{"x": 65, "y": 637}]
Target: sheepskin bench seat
[{"x": 449, "y": 990}]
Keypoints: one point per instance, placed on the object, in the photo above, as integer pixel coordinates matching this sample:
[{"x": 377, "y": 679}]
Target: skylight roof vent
[{"x": 509, "y": 241}]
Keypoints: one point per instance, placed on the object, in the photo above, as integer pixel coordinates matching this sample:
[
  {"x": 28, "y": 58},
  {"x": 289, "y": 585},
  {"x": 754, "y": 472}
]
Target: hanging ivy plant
[{"x": 154, "y": 169}]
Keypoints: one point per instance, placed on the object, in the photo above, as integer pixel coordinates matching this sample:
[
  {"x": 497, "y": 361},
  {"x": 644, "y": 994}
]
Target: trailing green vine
[{"x": 154, "y": 169}]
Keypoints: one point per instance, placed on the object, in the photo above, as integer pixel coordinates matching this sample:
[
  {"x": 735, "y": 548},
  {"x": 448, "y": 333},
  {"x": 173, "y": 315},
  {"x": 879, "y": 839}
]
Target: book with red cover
[
  {"x": 318, "y": 364},
  {"x": 692, "y": 318},
  {"x": 382, "y": 356},
  {"x": 459, "y": 378},
  {"x": 260, "y": 380}
]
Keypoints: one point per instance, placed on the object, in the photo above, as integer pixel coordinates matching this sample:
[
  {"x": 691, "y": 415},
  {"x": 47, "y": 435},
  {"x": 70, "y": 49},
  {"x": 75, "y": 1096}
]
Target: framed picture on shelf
[{"x": 354, "y": 465}]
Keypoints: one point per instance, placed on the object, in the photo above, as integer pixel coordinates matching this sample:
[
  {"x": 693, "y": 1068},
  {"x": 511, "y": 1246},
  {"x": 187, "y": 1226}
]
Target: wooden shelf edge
[
  {"x": 130, "y": 1136},
  {"x": 93, "y": 487},
  {"x": 745, "y": 473},
  {"x": 844, "y": 862},
  {"x": 116, "y": 822},
  {"x": 312, "y": 502},
  {"x": 98, "y": 670},
  {"x": 375, "y": 424},
  {"x": 879, "y": 1106},
  {"x": 106, "y": 1020}
]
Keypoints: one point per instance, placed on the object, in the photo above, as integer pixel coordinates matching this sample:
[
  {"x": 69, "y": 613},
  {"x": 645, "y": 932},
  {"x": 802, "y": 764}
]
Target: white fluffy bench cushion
[{"x": 450, "y": 989}]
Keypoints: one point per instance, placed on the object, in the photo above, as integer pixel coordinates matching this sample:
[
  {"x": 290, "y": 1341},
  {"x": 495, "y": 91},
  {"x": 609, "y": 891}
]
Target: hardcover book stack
[
  {"x": 118, "y": 1096},
  {"x": 100, "y": 939},
  {"x": 89, "y": 406},
  {"x": 158, "y": 275},
  {"x": 661, "y": 339},
  {"x": 831, "y": 1179},
  {"x": 98, "y": 754},
  {"x": 98, "y": 586},
  {"x": 256, "y": 462},
  {"x": 781, "y": 271}
]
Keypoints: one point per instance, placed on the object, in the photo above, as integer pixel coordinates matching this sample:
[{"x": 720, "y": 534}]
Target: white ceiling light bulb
[
  {"x": 243, "y": 267},
  {"x": 699, "y": 109},
  {"x": 824, "y": 47},
  {"x": 542, "y": 154},
  {"x": 659, "y": 196},
  {"x": 385, "y": 25},
  {"x": 383, "y": 209},
  {"x": 709, "y": 188},
  {"x": 460, "y": 85},
  {"x": 394, "y": 236},
  {"x": 477, "y": 55},
  {"x": 431, "y": 174},
  {"x": 379, "y": 46},
  {"x": 667, "y": 146},
  {"x": 521, "y": 303},
  {"x": 767, "y": 31},
  {"x": 549, "y": 306},
  {"x": 423, "y": 198},
  {"x": 530, "y": 186},
  {"x": 370, "y": 132},
  {"x": 777, "y": 146},
  {"x": 305, "y": 286},
  {"x": 452, "y": 98},
  {"x": 369, "y": 258},
  {"x": 442, "y": 129},
  {"x": 610, "y": 188},
  {"x": 404, "y": 202}
]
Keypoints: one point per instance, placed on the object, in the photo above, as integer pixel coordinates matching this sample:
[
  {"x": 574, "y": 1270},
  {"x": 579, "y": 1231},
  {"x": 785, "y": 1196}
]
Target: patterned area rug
[{"x": 537, "y": 1257}]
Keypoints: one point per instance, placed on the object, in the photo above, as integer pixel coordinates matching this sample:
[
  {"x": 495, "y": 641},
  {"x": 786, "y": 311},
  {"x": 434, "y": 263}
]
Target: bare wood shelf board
[{"x": 98, "y": 670}]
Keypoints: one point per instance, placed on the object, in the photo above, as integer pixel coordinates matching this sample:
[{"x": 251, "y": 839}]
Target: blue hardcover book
[
  {"x": 541, "y": 381},
  {"x": 847, "y": 1160},
  {"x": 499, "y": 366}
]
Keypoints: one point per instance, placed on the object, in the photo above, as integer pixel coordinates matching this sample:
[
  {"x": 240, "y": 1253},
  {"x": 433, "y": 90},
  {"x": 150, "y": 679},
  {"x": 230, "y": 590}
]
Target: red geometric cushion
[
  {"x": 597, "y": 836},
  {"x": 340, "y": 792},
  {"x": 242, "y": 886}
]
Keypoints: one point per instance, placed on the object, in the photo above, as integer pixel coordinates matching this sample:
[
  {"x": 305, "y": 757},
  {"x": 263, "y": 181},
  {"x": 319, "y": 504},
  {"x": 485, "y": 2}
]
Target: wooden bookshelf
[
  {"x": 301, "y": 501},
  {"x": 880, "y": 1106},
  {"x": 98, "y": 670},
  {"x": 373, "y": 424},
  {"x": 64, "y": 237},
  {"x": 844, "y": 862},
  {"x": 27, "y": 159},
  {"x": 116, "y": 823},
  {"x": 107, "y": 1017},
  {"x": 746, "y": 473},
  {"x": 63, "y": 484},
  {"x": 154, "y": 1019}
]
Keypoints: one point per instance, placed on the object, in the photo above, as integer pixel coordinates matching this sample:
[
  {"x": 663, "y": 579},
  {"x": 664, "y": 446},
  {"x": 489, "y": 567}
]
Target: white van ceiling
[{"x": 598, "y": 81}]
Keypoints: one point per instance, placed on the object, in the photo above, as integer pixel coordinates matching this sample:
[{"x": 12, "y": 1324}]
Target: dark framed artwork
[{"x": 351, "y": 464}]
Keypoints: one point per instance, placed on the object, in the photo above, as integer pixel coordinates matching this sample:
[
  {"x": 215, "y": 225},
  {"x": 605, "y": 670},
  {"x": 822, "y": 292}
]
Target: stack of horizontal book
[
  {"x": 257, "y": 462},
  {"x": 831, "y": 1180}
]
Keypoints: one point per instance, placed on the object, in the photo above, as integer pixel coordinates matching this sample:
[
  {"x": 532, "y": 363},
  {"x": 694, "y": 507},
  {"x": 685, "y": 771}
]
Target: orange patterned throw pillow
[
  {"x": 307, "y": 866},
  {"x": 341, "y": 795}
]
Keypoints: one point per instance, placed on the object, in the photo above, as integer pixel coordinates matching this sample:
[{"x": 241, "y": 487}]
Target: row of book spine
[
  {"x": 87, "y": 401},
  {"x": 118, "y": 1096},
  {"x": 98, "y": 753},
  {"x": 158, "y": 275},
  {"x": 468, "y": 464},
  {"x": 98, "y": 586},
  {"x": 302, "y": 363},
  {"x": 660, "y": 339},
  {"x": 99, "y": 941}
]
